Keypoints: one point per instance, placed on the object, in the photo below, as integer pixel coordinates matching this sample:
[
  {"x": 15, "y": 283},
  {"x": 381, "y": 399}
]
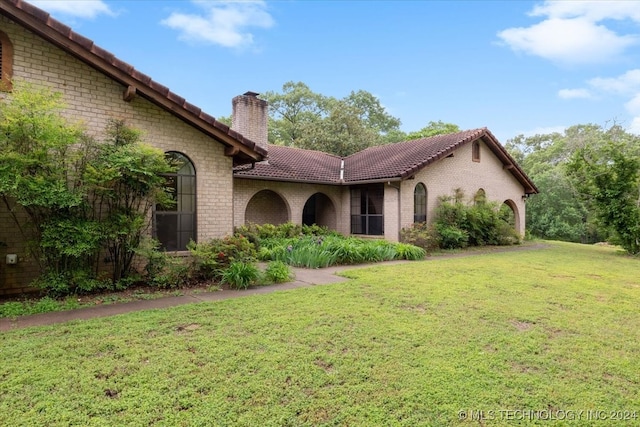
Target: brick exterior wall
[
  {"x": 93, "y": 99},
  {"x": 293, "y": 196},
  {"x": 460, "y": 171},
  {"x": 440, "y": 179},
  {"x": 250, "y": 116}
]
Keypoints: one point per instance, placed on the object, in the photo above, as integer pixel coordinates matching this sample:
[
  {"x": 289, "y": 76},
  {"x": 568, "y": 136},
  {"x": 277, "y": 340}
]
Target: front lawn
[{"x": 536, "y": 337}]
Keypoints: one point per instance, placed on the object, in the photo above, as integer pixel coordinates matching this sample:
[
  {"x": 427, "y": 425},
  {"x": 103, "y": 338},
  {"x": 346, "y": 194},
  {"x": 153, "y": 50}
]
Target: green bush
[
  {"x": 240, "y": 275},
  {"x": 458, "y": 224},
  {"x": 451, "y": 237},
  {"x": 71, "y": 282},
  {"x": 325, "y": 250},
  {"x": 163, "y": 270},
  {"x": 410, "y": 252},
  {"x": 212, "y": 258},
  {"x": 255, "y": 233},
  {"x": 421, "y": 235},
  {"x": 277, "y": 272}
]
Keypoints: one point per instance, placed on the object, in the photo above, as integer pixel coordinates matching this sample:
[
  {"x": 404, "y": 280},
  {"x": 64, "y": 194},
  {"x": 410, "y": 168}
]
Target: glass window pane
[
  {"x": 167, "y": 230},
  {"x": 176, "y": 226},
  {"x": 376, "y": 225}
]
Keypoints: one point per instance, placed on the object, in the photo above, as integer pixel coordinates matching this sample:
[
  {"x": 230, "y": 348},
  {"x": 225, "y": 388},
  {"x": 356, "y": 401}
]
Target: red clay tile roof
[
  {"x": 294, "y": 164},
  {"x": 385, "y": 162},
  {"x": 40, "y": 22}
]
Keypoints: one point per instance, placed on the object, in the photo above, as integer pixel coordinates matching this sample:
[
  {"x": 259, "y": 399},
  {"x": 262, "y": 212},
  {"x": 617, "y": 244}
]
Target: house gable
[{"x": 134, "y": 83}]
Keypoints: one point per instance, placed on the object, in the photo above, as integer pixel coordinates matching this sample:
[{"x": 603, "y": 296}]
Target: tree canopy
[
  {"x": 299, "y": 117},
  {"x": 587, "y": 176}
]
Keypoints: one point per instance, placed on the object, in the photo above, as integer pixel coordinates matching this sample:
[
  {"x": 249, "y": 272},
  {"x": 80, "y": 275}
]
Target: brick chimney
[{"x": 249, "y": 117}]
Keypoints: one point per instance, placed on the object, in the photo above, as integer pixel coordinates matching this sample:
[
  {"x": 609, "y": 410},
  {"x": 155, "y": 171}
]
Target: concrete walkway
[{"x": 304, "y": 277}]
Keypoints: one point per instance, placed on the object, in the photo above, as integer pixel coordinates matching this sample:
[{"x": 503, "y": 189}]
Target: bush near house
[
  {"x": 86, "y": 201},
  {"x": 459, "y": 224},
  {"x": 317, "y": 247}
]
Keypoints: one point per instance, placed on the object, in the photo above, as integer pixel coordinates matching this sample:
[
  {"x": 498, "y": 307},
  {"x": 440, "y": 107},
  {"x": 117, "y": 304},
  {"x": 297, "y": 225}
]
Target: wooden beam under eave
[
  {"x": 231, "y": 151},
  {"x": 129, "y": 93}
]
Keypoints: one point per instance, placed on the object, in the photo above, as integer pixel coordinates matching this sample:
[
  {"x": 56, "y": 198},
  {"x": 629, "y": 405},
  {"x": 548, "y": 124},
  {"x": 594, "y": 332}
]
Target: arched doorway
[
  {"x": 319, "y": 209},
  {"x": 509, "y": 213},
  {"x": 266, "y": 207}
]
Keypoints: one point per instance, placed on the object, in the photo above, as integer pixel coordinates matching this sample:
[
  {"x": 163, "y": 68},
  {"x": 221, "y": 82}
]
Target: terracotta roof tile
[{"x": 295, "y": 164}]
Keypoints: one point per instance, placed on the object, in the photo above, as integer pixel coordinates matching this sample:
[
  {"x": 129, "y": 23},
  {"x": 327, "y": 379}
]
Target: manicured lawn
[{"x": 527, "y": 334}]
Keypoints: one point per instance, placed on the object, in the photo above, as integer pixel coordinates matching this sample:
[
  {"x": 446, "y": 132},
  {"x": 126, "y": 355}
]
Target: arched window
[
  {"x": 6, "y": 62},
  {"x": 475, "y": 151},
  {"x": 420, "y": 203},
  {"x": 175, "y": 226}
]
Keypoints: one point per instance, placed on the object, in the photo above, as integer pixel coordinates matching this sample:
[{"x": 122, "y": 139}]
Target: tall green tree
[
  {"x": 607, "y": 174},
  {"x": 81, "y": 197},
  {"x": 561, "y": 211},
  {"x": 40, "y": 173},
  {"x": 292, "y": 111},
  {"x": 299, "y": 117},
  {"x": 433, "y": 129}
]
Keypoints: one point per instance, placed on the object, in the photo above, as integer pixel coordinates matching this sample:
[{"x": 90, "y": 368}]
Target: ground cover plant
[
  {"x": 318, "y": 247},
  {"x": 536, "y": 337}
]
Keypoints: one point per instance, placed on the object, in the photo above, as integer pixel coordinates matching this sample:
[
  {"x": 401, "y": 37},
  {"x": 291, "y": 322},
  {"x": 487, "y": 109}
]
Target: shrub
[
  {"x": 71, "y": 282},
  {"x": 162, "y": 269},
  {"x": 421, "y": 235},
  {"x": 211, "y": 258},
  {"x": 240, "y": 275},
  {"x": 458, "y": 224},
  {"x": 451, "y": 237},
  {"x": 256, "y": 233},
  {"x": 277, "y": 272},
  {"x": 409, "y": 252}
]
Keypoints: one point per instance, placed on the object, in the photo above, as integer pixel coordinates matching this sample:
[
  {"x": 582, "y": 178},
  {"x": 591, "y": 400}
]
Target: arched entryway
[
  {"x": 509, "y": 213},
  {"x": 320, "y": 210},
  {"x": 266, "y": 207}
]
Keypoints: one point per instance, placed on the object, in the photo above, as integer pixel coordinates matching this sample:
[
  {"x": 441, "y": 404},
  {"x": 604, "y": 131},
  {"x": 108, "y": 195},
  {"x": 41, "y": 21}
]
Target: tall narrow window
[
  {"x": 475, "y": 151},
  {"x": 367, "y": 204},
  {"x": 420, "y": 203},
  {"x": 6, "y": 62},
  {"x": 175, "y": 226}
]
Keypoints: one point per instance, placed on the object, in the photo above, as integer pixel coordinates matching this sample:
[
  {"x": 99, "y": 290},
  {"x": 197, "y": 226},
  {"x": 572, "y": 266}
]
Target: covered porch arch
[
  {"x": 267, "y": 207},
  {"x": 319, "y": 210}
]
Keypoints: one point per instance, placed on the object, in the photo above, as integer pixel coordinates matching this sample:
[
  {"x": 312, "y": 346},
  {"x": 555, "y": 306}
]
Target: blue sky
[{"x": 516, "y": 67}]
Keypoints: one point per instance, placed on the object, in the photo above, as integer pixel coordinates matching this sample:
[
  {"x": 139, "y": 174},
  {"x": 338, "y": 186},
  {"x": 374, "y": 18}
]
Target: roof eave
[
  {"x": 270, "y": 178},
  {"x": 39, "y": 22}
]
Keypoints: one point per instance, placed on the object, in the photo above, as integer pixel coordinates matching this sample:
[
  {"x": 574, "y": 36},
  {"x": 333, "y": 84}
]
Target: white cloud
[
  {"x": 223, "y": 23},
  {"x": 592, "y": 10},
  {"x": 625, "y": 84},
  {"x": 78, "y": 8},
  {"x": 634, "y": 127},
  {"x": 574, "y": 94},
  {"x": 573, "y": 33},
  {"x": 633, "y": 106}
]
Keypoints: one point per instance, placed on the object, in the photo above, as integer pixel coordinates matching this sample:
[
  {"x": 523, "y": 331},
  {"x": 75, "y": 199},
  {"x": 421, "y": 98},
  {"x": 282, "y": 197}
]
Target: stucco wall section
[
  {"x": 295, "y": 195},
  {"x": 460, "y": 171},
  {"x": 92, "y": 99}
]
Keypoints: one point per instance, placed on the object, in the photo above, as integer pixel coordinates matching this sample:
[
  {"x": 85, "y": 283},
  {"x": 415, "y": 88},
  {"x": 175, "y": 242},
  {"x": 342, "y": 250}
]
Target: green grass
[{"x": 556, "y": 329}]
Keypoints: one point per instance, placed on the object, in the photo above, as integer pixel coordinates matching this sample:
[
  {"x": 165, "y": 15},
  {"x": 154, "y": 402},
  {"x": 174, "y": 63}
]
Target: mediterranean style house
[{"x": 230, "y": 175}]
